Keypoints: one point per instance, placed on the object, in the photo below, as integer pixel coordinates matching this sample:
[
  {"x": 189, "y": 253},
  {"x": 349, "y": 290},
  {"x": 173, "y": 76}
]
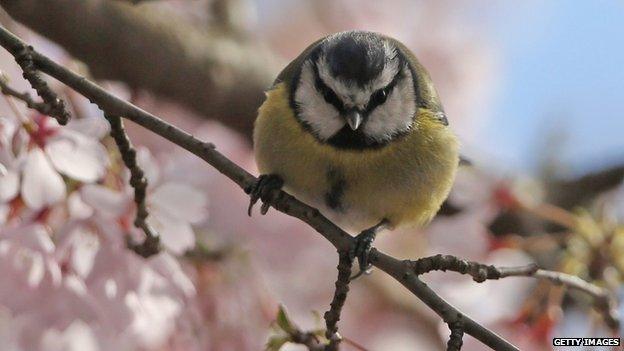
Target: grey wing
[
  {"x": 293, "y": 68},
  {"x": 427, "y": 95}
]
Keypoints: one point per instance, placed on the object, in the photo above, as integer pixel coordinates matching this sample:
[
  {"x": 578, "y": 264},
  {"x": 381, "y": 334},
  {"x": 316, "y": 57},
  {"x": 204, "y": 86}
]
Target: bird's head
[{"x": 356, "y": 89}]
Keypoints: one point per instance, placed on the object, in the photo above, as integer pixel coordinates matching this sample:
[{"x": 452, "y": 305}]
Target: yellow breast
[{"x": 404, "y": 182}]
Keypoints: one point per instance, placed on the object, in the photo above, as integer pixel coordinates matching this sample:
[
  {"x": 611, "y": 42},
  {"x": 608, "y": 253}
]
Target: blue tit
[{"x": 354, "y": 127}]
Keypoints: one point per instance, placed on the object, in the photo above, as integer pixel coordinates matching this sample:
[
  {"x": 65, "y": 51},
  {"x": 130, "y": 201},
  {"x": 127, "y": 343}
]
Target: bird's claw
[
  {"x": 261, "y": 190},
  {"x": 361, "y": 248}
]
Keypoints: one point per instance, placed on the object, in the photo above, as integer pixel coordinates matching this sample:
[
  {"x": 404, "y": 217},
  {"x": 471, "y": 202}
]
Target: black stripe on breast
[{"x": 337, "y": 185}]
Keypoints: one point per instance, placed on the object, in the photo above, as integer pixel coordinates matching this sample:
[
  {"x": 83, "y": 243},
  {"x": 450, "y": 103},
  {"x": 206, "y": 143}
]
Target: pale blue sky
[{"x": 563, "y": 75}]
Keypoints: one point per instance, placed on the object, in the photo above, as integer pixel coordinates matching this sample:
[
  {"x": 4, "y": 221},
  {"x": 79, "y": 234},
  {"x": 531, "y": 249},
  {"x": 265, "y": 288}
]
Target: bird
[{"x": 355, "y": 128}]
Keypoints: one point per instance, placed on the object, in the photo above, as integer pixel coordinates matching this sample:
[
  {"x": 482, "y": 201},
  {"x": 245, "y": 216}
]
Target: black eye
[
  {"x": 378, "y": 98},
  {"x": 328, "y": 94},
  {"x": 331, "y": 98}
]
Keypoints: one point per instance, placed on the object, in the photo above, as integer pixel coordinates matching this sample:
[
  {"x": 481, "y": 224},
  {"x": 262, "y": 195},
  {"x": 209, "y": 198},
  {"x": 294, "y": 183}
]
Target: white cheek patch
[
  {"x": 322, "y": 117},
  {"x": 396, "y": 115}
]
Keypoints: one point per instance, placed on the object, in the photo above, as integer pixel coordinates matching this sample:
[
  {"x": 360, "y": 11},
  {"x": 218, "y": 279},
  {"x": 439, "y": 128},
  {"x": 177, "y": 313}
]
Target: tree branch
[
  {"x": 55, "y": 105},
  {"x": 214, "y": 73},
  {"x": 151, "y": 244},
  {"x": 280, "y": 200},
  {"x": 340, "y": 296},
  {"x": 455, "y": 341},
  {"x": 603, "y": 299}
]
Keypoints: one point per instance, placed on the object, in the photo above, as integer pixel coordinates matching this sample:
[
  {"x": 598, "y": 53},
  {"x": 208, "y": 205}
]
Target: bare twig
[
  {"x": 310, "y": 340},
  {"x": 340, "y": 296},
  {"x": 455, "y": 341},
  {"x": 281, "y": 201},
  {"x": 151, "y": 244},
  {"x": 479, "y": 271},
  {"x": 603, "y": 299},
  {"x": 41, "y": 107},
  {"x": 56, "y": 109},
  {"x": 294, "y": 334}
]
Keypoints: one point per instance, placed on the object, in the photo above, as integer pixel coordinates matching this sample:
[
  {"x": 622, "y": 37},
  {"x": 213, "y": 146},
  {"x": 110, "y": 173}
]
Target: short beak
[{"x": 354, "y": 119}]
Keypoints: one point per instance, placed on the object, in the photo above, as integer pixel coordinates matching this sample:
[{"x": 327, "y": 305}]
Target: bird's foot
[
  {"x": 262, "y": 189},
  {"x": 361, "y": 248}
]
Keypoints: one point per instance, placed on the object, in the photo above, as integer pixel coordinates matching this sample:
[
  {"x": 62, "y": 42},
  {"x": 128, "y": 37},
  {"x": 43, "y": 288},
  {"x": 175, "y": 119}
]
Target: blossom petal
[
  {"x": 77, "y": 208},
  {"x": 7, "y": 130},
  {"x": 93, "y": 127},
  {"x": 41, "y": 184},
  {"x": 180, "y": 201},
  {"x": 167, "y": 266},
  {"x": 78, "y": 157},
  {"x": 9, "y": 185},
  {"x": 153, "y": 317},
  {"x": 85, "y": 246},
  {"x": 176, "y": 235},
  {"x": 148, "y": 164},
  {"x": 109, "y": 202},
  {"x": 78, "y": 336},
  {"x": 34, "y": 237},
  {"x": 24, "y": 254},
  {"x": 4, "y": 213}
]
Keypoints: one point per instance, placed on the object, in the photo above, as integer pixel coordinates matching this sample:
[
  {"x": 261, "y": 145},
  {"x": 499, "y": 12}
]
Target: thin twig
[
  {"x": 151, "y": 244},
  {"x": 340, "y": 296},
  {"x": 455, "y": 341},
  {"x": 282, "y": 202},
  {"x": 41, "y": 107},
  {"x": 479, "y": 272},
  {"x": 24, "y": 58},
  {"x": 603, "y": 299},
  {"x": 307, "y": 339}
]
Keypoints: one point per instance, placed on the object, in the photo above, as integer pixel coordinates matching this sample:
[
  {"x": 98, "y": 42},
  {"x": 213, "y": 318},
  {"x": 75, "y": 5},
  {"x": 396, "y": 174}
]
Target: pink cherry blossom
[
  {"x": 174, "y": 206},
  {"x": 41, "y": 184},
  {"x": 73, "y": 150},
  {"x": 9, "y": 165},
  {"x": 86, "y": 293}
]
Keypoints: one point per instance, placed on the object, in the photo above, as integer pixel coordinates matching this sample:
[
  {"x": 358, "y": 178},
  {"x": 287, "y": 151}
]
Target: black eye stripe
[
  {"x": 328, "y": 94},
  {"x": 376, "y": 99},
  {"x": 380, "y": 96}
]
